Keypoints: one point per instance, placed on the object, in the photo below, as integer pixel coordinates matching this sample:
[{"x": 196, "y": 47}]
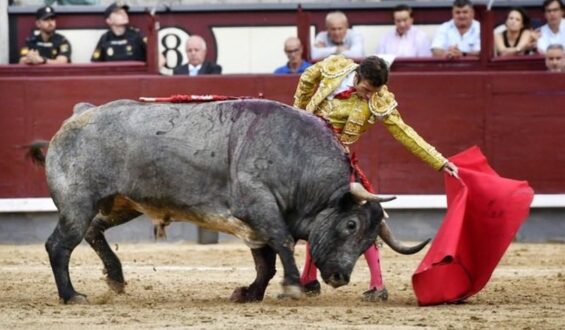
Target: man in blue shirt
[{"x": 293, "y": 50}]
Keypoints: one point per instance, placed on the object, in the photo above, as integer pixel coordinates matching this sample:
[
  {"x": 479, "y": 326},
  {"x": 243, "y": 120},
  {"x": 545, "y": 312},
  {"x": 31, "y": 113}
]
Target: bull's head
[{"x": 343, "y": 232}]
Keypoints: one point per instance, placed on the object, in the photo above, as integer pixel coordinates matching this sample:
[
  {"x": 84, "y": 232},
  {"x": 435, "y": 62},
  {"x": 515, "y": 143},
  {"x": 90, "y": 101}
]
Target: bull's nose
[{"x": 337, "y": 279}]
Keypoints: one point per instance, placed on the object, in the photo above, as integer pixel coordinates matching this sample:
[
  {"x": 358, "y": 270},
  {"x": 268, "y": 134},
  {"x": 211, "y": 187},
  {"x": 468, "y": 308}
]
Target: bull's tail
[{"x": 35, "y": 152}]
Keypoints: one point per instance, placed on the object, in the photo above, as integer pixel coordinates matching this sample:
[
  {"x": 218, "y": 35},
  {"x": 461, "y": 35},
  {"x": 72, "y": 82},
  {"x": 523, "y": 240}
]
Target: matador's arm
[
  {"x": 307, "y": 85},
  {"x": 385, "y": 109}
]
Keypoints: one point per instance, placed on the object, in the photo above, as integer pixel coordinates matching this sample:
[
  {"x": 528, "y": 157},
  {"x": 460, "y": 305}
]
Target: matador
[{"x": 352, "y": 97}]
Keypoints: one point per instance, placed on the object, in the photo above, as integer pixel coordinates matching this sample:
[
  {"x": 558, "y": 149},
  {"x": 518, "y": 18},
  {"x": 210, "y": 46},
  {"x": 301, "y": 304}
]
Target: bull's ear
[
  {"x": 347, "y": 201},
  {"x": 370, "y": 212},
  {"x": 375, "y": 211}
]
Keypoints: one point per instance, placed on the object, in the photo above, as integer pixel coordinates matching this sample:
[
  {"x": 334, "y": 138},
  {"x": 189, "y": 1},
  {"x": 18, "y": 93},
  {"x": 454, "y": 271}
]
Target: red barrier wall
[{"x": 517, "y": 118}]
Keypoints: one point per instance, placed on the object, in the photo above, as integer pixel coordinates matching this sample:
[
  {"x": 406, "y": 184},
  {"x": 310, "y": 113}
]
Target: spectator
[
  {"x": 296, "y": 64},
  {"x": 197, "y": 64},
  {"x": 555, "y": 58},
  {"x": 405, "y": 40},
  {"x": 338, "y": 39},
  {"x": 121, "y": 42},
  {"x": 47, "y": 47},
  {"x": 554, "y": 31},
  {"x": 461, "y": 36},
  {"x": 517, "y": 39}
]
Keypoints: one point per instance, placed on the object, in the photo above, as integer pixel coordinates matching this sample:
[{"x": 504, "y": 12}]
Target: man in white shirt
[
  {"x": 554, "y": 31},
  {"x": 338, "y": 39},
  {"x": 405, "y": 40},
  {"x": 197, "y": 63},
  {"x": 459, "y": 37}
]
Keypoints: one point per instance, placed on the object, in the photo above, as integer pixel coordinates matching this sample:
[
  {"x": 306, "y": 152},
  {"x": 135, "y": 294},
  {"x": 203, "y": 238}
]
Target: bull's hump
[{"x": 225, "y": 223}]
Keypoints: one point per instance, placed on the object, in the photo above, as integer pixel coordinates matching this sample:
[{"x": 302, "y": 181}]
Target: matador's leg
[
  {"x": 309, "y": 278},
  {"x": 377, "y": 290}
]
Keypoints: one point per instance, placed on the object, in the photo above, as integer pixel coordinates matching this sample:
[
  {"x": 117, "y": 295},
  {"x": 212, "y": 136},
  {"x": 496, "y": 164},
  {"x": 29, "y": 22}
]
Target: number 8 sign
[{"x": 172, "y": 41}]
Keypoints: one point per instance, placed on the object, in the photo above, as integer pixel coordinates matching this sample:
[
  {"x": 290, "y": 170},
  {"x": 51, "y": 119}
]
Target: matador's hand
[{"x": 451, "y": 169}]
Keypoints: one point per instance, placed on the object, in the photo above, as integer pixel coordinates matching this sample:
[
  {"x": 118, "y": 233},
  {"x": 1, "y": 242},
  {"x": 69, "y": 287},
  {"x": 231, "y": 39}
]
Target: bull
[{"x": 256, "y": 169}]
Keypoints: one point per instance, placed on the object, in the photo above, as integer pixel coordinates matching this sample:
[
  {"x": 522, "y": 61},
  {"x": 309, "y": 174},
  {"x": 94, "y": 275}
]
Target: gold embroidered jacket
[{"x": 351, "y": 117}]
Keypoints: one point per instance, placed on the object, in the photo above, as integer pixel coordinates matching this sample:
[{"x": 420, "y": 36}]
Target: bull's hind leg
[
  {"x": 95, "y": 237},
  {"x": 73, "y": 223},
  {"x": 265, "y": 259}
]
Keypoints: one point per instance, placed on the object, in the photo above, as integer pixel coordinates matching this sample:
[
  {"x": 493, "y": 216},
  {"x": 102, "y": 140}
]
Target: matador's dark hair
[{"x": 374, "y": 70}]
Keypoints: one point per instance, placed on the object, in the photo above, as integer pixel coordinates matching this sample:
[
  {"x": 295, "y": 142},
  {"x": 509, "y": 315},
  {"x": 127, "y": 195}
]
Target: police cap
[
  {"x": 114, "y": 7},
  {"x": 45, "y": 12}
]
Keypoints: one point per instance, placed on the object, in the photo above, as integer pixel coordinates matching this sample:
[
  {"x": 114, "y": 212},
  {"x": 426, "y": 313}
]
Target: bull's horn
[
  {"x": 386, "y": 234},
  {"x": 361, "y": 194}
]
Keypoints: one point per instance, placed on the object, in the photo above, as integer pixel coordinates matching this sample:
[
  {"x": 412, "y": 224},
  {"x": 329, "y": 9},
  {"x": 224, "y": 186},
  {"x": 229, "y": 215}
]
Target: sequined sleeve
[
  {"x": 307, "y": 85},
  {"x": 412, "y": 141},
  {"x": 384, "y": 107}
]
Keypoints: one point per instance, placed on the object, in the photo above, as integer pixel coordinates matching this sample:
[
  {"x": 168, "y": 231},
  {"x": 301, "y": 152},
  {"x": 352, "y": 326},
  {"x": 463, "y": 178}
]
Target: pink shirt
[{"x": 413, "y": 43}]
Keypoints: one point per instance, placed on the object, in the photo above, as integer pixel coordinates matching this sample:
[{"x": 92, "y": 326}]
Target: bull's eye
[{"x": 351, "y": 225}]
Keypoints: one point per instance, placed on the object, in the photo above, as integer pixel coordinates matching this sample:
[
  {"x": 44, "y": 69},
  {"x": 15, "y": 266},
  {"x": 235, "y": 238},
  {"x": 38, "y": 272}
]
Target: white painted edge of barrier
[{"x": 15, "y": 205}]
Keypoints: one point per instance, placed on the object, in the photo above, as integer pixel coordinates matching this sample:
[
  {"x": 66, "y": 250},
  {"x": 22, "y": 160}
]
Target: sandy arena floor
[{"x": 183, "y": 285}]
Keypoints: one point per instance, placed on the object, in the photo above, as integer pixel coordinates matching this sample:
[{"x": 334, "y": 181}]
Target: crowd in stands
[{"x": 454, "y": 39}]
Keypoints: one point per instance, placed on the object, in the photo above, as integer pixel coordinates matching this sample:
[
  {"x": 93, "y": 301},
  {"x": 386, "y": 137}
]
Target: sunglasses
[{"x": 291, "y": 51}]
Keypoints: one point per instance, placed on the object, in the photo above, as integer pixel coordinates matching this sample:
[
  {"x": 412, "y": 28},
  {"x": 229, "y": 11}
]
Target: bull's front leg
[
  {"x": 291, "y": 281},
  {"x": 281, "y": 241},
  {"x": 261, "y": 212},
  {"x": 265, "y": 260}
]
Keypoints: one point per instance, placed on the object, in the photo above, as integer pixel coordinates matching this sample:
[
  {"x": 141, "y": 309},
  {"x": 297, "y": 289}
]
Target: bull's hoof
[
  {"x": 117, "y": 287},
  {"x": 312, "y": 289},
  {"x": 291, "y": 292},
  {"x": 244, "y": 295},
  {"x": 78, "y": 299},
  {"x": 375, "y": 295}
]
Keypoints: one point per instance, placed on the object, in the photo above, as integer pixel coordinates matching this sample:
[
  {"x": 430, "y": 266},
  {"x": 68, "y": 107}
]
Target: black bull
[{"x": 256, "y": 169}]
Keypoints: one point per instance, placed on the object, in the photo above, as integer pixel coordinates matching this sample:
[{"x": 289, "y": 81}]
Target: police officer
[
  {"x": 121, "y": 42},
  {"x": 47, "y": 46}
]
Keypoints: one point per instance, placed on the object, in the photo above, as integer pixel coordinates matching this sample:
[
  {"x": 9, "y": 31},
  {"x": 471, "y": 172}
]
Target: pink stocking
[
  {"x": 310, "y": 272},
  {"x": 373, "y": 261}
]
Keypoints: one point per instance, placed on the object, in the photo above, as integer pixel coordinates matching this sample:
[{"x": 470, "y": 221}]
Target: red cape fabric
[{"x": 484, "y": 212}]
